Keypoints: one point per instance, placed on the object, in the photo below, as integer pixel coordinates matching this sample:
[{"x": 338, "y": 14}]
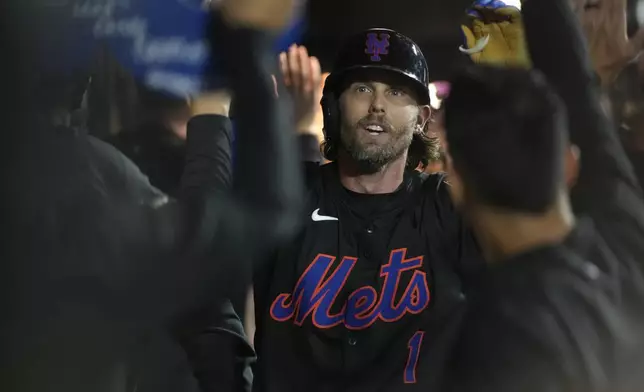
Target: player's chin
[
  {"x": 369, "y": 138},
  {"x": 371, "y": 149},
  {"x": 371, "y": 152}
]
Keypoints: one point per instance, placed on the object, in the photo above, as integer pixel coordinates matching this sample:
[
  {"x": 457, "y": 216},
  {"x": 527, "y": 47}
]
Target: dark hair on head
[
  {"x": 58, "y": 91},
  {"x": 506, "y": 132}
]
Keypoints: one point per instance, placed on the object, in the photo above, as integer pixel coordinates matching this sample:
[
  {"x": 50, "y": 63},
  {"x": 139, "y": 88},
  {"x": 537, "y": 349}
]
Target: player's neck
[
  {"x": 386, "y": 180},
  {"x": 502, "y": 234}
]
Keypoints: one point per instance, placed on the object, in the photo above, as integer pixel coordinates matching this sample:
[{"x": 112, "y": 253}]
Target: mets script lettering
[
  {"x": 376, "y": 46},
  {"x": 317, "y": 289}
]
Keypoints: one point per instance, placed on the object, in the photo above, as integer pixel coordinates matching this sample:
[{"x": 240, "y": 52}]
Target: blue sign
[
  {"x": 62, "y": 43},
  {"x": 161, "y": 42}
]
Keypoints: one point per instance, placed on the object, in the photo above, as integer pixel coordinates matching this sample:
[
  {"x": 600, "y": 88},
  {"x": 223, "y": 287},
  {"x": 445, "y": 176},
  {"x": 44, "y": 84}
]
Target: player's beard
[{"x": 369, "y": 155}]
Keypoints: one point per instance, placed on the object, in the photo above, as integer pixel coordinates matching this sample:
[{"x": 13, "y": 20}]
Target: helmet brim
[{"x": 337, "y": 79}]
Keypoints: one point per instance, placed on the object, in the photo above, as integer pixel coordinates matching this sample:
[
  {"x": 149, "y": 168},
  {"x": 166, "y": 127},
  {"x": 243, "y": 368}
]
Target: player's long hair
[{"x": 423, "y": 149}]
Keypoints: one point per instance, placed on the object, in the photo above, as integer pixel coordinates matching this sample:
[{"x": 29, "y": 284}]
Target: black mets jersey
[{"x": 369, "y": 296}]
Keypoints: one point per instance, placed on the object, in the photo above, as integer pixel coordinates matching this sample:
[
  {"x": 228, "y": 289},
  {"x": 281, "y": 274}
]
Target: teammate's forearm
[
  {"x": 195, "y": 238},
  {"x": 558, "y": 49},
  {"x": 265, "y": 138},
  {"x": 208, "y": 165},
  {"x": 214, "y": 341}
]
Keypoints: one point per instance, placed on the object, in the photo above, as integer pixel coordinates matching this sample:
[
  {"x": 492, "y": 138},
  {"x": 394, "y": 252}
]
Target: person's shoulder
[
  {"x": 118, "y": 172},
  {"x": 435, "y": 188},
  {"x": 578, "y": 272},
  {"x": 107, "y": 153},
  {"x": 433, "y": 182},
  {"x": 106, "y": 146},
  {"x": 541, "y": 289}
]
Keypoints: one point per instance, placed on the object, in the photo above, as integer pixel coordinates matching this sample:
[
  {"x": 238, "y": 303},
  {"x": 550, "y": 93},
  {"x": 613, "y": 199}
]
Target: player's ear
[{"x": 424, "y": 114}]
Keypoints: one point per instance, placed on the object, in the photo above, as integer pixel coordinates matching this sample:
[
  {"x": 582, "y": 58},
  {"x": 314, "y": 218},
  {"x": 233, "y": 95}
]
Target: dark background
[{"x": 433, "y": 24}]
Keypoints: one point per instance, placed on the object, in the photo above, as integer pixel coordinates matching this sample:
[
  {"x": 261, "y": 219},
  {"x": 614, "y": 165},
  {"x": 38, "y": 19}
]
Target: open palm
[{"x": 604, "y": 23}]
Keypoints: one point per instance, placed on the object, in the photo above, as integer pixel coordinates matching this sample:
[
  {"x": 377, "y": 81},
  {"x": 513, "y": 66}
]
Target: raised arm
[
  {"x": 203, "y": 246},
  {"x": 301, "y": 80},
  {"x": 213, "y": 336},
  {"x": 208, "y": 167},
  {"x": 557, "y": 49}
]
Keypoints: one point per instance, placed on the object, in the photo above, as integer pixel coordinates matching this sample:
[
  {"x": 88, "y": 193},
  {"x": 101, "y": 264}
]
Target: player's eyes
[
  {"x": 363, "y": 89},
  {"x": 397, "y": 92}
]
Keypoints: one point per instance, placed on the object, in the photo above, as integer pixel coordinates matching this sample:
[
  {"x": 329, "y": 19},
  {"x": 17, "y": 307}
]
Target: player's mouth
[
  {"x": 374, "y": 129},
  {"x": 592, "y": 5}
]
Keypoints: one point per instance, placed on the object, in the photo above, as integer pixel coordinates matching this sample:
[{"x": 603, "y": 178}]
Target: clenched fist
[
  {"x": 272, "y": 15},
  {"x": 494, "y": 34}
]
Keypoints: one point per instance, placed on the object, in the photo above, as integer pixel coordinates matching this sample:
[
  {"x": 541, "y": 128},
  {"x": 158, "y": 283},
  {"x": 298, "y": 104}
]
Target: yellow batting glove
[{"x": 494, "y": 35}]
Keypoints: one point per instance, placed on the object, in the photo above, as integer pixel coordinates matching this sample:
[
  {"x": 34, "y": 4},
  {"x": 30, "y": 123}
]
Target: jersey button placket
[{"x": 369, "y": 230}]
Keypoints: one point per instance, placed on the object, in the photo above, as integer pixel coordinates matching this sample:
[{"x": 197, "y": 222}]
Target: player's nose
[{"x": 377, "y": 104}]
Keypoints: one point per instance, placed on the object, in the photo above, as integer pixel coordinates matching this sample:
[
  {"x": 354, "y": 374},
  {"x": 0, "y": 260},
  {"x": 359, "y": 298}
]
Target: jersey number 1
[{"x": 412, "y": 360}]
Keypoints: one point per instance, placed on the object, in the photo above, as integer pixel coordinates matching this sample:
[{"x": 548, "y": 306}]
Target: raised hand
[
  {"x": 604, "y": 23},
  {"x": 260, "y": 14},
  {"x": 214, "y": 102},
  {"x": 494, "y": 34},
  {"x": 302, "y": 77}
]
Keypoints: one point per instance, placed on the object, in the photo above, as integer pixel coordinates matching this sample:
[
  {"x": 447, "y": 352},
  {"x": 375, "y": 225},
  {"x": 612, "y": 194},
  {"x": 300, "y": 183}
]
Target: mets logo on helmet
[{"x": 377, "y": 44}]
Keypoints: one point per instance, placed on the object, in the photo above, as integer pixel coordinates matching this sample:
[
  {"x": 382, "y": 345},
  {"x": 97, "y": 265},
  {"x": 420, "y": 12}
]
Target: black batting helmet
[{"x": 377, "y": 48}]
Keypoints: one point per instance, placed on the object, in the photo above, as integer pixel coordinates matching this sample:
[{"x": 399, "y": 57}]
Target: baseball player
[{"x": 370, "y": 291}]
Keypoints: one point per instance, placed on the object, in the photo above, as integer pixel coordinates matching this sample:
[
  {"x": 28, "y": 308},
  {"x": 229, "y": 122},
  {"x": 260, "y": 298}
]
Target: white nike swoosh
[
  {"x": 319, "y": 218},
  {"x": 478, "y": 47}
]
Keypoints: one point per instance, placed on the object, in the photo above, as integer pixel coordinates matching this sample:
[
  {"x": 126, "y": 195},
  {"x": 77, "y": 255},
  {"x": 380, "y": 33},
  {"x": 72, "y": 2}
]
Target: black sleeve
[
  {"x": 265, "y": 134},
  {"x": 209, "y": 166},
  {"x": 203, "y": 246},
  {"x": 558, "y": 49},
  {"x": 217, "y": 348},
  {"x": 213, "y": 336}
]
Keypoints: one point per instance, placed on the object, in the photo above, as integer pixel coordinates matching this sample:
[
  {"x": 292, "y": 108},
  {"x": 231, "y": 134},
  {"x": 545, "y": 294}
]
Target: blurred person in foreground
[
  {"x": 93, "y": 267},
  {"x": 169, "y": 358},
  {"x": 559, "y": 307}
]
